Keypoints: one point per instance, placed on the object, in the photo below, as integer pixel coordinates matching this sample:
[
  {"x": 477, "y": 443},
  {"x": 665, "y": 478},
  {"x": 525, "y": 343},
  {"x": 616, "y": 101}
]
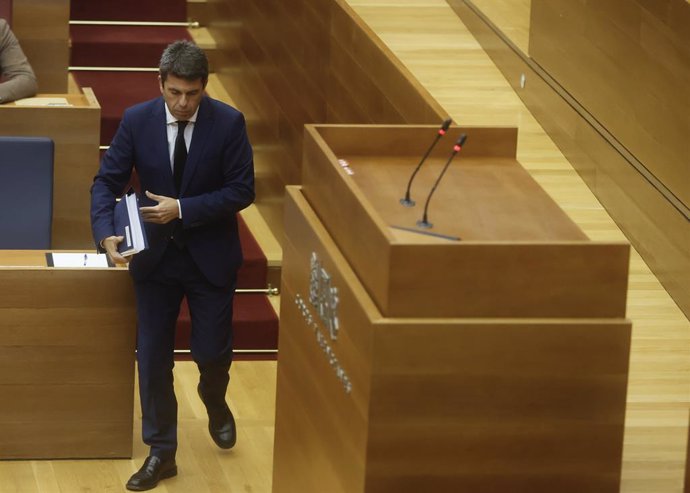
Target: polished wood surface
[
  {"x": 42, "y": 28},
  {"x": 74, "y": 130},
  {"x": 342, "y": 418},
  {"x": 366, "y": 83},
  {"x": 202, "y": 466},
  {"x": 627, "y": 64},
  {"x": 519, "y": 254},
  {"x": 511, "y": 17},
  {"x": 67, "y": 366},
  {"x": 439, "y": 404},
  {"x": 334, "y": 69},
  {"x": 687, "y": 463}
]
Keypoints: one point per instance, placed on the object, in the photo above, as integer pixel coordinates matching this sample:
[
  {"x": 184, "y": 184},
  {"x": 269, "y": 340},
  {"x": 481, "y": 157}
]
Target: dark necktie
[
  {"x": 179, "y": 155},
  {"x": 179, "y": 160}
]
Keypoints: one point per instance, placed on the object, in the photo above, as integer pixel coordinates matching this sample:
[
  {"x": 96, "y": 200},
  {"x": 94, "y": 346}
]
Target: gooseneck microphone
[
  {"x": 424, "y": 222},
  {"x": 407, "y": 201}
]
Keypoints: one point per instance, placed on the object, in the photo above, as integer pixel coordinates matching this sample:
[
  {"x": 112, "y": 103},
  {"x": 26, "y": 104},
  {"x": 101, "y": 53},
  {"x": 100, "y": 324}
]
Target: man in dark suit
[{"x": 194, "y": 163}]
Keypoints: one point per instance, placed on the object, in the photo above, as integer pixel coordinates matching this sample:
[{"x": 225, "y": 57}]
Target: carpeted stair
[
  {"x": 121, "y": 46},
  {"x": 112, "y": 48},
  {"x": 129, "y": 10},
  {"x": 115, "y": 92}
]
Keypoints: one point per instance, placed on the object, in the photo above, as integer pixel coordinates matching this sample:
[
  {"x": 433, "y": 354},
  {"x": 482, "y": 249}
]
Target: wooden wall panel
[
  {"x": 628, "y": 63},
  {"x": 307, "y": 61},
  {"x": 42, "y": 28},
  {"x": 687, "y": 464},
  {"x": 374, "y": 69},
  {"x": 355, "y": 92}
]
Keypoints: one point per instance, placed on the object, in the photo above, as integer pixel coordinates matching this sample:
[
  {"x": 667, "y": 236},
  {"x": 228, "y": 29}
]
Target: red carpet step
[
  {"x": 129, "y": 10},
  {"x": 121, "y": 46},
  {"x": 116, "y": 91}
]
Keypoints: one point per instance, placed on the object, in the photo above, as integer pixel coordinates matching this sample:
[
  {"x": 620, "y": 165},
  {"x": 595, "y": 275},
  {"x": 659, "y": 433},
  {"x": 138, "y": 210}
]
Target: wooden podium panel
[
  {"x": 67, "y": 346},
  {"x": 398, "y": 404},
  {"x": 75, "y": 131},
  {"x": 499, "y": 243}
]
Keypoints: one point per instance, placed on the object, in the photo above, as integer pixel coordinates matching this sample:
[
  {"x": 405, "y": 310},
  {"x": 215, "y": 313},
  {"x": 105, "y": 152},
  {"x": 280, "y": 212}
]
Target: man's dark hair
[{"x": 185, "y": 60}]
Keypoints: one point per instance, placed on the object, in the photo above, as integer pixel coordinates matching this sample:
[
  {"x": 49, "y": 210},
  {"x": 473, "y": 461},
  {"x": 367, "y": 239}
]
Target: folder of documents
[{"x": 128, "y": 224}]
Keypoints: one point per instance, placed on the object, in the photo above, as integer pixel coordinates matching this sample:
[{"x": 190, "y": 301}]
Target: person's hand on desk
[
  {"x": 167, "y": 209},
  {"x": 110, "y": 244}
]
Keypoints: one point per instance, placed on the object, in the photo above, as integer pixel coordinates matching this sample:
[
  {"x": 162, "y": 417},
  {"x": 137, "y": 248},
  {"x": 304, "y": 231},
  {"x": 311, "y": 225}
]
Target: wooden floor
[
  {"x": 430, "y": 40},
  {"x": 203, "y": 468}
]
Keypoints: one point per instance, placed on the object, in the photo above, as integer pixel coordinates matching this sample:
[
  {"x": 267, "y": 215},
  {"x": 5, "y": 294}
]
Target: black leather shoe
[
  {"x": 221, "y": 424},
  {"x": 153, "y": 470}
]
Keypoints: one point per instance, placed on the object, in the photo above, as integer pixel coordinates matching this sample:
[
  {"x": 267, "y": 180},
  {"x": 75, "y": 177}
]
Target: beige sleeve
[{"x": 18, "y": 79}]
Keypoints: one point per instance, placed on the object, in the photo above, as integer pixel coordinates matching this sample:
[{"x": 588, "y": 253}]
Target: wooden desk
[
  {"x": 67, "y": 345},
  {"x": 75, "y": 131}
]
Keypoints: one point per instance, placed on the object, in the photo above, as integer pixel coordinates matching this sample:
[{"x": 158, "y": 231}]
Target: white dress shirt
[{"x": 171, "y": 128}]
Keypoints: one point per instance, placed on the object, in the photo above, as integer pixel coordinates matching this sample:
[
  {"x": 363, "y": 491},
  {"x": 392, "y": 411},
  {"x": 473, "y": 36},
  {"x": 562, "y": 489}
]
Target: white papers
[
  {"x": 81, "y": 260},
  {"x": 42, "y": 101}
]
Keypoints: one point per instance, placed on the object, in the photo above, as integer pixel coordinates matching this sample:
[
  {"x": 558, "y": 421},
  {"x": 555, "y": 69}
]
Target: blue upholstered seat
[{"x": 26, "y": 192}]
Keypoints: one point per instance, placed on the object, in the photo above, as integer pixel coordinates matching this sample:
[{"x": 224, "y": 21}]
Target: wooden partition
[
  {"x": 687, "y": 461},
  {"x": 75, "y": 131},
  {"x": 367, "y": 83},
  {"x": 67, "y": 339},
  {"x": 628, "y": 64},
  {"x": 412, "y": 361},
  {"x": 306, "y": 61},
  {"x": 42, "y": 28}
]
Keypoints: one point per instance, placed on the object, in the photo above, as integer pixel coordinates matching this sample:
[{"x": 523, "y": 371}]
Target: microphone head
[
  {"x": 444, "y": 127},
  {"x": 459, "y": 143}
]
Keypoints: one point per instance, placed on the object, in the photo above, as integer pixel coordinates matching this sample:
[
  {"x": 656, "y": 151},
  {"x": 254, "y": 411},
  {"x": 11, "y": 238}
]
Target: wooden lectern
[{"x": 411, "y": 360}]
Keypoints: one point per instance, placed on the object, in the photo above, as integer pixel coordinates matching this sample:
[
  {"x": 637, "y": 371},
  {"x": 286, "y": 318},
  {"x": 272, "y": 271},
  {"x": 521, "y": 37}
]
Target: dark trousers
[{"x": 158, "y": 306}]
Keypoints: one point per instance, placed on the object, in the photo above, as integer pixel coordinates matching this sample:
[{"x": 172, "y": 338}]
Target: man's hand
[
  {"x": 163, "y": 213},
  {"x": 110, "y": 244}
]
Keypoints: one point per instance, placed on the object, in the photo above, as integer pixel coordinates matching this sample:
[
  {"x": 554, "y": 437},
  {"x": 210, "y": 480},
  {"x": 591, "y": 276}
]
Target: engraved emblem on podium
[{"x": 323, "y": 296}]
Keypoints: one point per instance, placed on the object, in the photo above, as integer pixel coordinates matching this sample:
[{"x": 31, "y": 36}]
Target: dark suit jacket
[{"x": 218, "y": 182}]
